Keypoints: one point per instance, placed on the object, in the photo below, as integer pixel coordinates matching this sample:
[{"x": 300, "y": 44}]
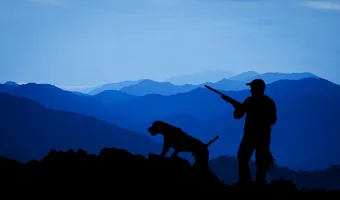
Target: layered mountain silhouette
[
  {"x": 270, "y": 77},
  {"x": 29, "y": 130},
  {"x": 226, "y": 85},
  {"x": 236, "y": 83},
  {"x": 11, "y": 83},
  {"x": 145, "y": 87},
  {"x": 58, "y": 99},
  {"x": 113, "y": 96},
  {"x": 217, "y": 75},
  {"x": 306, "y": 135},
  {"x": 245, "y": 76},
  {"x": 198, "y": 78},
  {"x": 304, "y": 122},
  {"x": 113, "y": 86},
  {"x": 80, "y": 93}
]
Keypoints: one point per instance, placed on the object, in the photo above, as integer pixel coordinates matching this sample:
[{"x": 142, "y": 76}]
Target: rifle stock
[{"x": 225, "y": 97}]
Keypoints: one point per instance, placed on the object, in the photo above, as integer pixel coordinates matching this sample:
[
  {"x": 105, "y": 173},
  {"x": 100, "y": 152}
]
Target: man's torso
[{"x": 258, "y": 113}]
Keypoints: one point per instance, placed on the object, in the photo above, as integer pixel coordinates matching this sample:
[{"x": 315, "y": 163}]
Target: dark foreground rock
[{"x": 117, "y": 171}]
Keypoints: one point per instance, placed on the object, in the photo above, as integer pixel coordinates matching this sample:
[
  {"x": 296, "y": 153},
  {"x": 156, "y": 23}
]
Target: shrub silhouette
[{"x": 115, "y": 170}]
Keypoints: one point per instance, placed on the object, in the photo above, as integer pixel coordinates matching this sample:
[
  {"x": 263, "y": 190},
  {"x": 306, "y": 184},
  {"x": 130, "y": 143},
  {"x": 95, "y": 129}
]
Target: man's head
[
  {"x": 156, "y": 127},
  {"x": 257, "y": 87}
]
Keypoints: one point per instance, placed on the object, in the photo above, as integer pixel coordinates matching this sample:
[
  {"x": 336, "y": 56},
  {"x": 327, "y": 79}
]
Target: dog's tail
[{"x": 213, "y": 140}]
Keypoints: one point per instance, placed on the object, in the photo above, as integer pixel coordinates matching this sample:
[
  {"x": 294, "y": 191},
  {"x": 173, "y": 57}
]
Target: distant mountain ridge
[
  {"x": 113, "y": 86},
  {"x": 113, "y": 96},
  {"x": 270, "y": 77},
  {"x": 235, "y": 83},
  {"x": 55, "y": 98},
  {"x": 198, "y": 78},
  {"x": 28, "y": 131},
  {"x": 145, "y": 87},
  {"x": 302, "y": 118},
  {"x": 244, "y": 76},
  {"x": 227, "y": 85},
  {"x": 11, "y": 83}
]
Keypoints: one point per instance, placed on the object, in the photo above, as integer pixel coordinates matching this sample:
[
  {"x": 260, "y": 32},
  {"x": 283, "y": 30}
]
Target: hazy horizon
[
  {"x": 88, "y": 88},
  {"x": 77, "y": 44}
]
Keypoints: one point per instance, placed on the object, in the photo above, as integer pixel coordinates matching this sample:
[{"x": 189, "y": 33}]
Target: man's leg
[
  {"x": 261, "y": 167},
  {"x": 244, "y": 155},
  {"x": 263, "y": 156}
]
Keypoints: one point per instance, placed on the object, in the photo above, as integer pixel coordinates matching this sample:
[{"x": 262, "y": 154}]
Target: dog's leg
[
  {"x": 175, "y": 154},
  {"x": 166, "y": 148},
  {"x": 201, "y": 158}
]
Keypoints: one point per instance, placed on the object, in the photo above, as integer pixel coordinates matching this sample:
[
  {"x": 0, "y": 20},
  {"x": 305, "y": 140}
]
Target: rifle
[{"x": 225, "y": 97}]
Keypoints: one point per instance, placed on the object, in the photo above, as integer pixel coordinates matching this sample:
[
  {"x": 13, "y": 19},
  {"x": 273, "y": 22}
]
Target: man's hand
[
  {"x": 237, "y": 106},
  {"x": 238, "y": 111}
]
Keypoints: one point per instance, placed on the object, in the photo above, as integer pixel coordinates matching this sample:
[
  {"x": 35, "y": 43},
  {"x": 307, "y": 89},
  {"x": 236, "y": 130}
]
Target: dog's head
[{"x": 156, "y": 127}]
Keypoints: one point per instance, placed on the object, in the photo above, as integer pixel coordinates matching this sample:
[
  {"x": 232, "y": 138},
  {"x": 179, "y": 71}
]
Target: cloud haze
[
  {"x": 90, "y": 42},
  {"x": 48, "y": 2},
  {"x": 323, "y": 5}
]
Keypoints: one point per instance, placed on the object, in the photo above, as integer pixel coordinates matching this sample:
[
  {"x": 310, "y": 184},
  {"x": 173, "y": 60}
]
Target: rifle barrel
[
  {"x": 210, "y": 88},
  {"x": 227, "y": 98}
]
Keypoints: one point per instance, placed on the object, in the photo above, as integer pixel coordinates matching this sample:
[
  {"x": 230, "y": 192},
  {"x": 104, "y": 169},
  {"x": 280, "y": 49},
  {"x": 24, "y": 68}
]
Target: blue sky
[{"x": 91, "y": 42}]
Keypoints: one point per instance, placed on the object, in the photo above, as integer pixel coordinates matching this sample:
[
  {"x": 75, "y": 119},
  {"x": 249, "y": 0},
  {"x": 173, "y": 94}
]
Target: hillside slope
[
  {"x": 270, "y": 77},
  {"x": 114, "y": 171},
  {"x": 113, "y": 96},
  {"x": 29, "y": 130},
  {"x": 56, "y": 98},
  {"x": 225, "y": 167},
  {"x": 112, "y": 86},
  {"x": 146, "y": 87},
  {"x": 307, "y": 117}
]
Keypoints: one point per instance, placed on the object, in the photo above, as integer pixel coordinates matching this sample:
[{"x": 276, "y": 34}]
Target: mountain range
[
  {"x": 28, "y": 130},
  {"x": 112, "y": 86},
  {"x": 36, "y": 118},
  {"x": 198, "y": 78},
  {"x": 233, "y": 83},
  {"x": 270, "y": 77},
  {"x": 303, "y": 122}
]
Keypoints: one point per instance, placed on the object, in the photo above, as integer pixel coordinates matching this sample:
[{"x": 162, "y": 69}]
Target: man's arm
[{"x": 239, "y": 111}]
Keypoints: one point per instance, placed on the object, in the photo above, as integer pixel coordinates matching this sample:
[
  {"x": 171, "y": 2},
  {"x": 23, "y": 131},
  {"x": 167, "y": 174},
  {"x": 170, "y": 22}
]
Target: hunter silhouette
[{"x": 260, "y": 113}]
